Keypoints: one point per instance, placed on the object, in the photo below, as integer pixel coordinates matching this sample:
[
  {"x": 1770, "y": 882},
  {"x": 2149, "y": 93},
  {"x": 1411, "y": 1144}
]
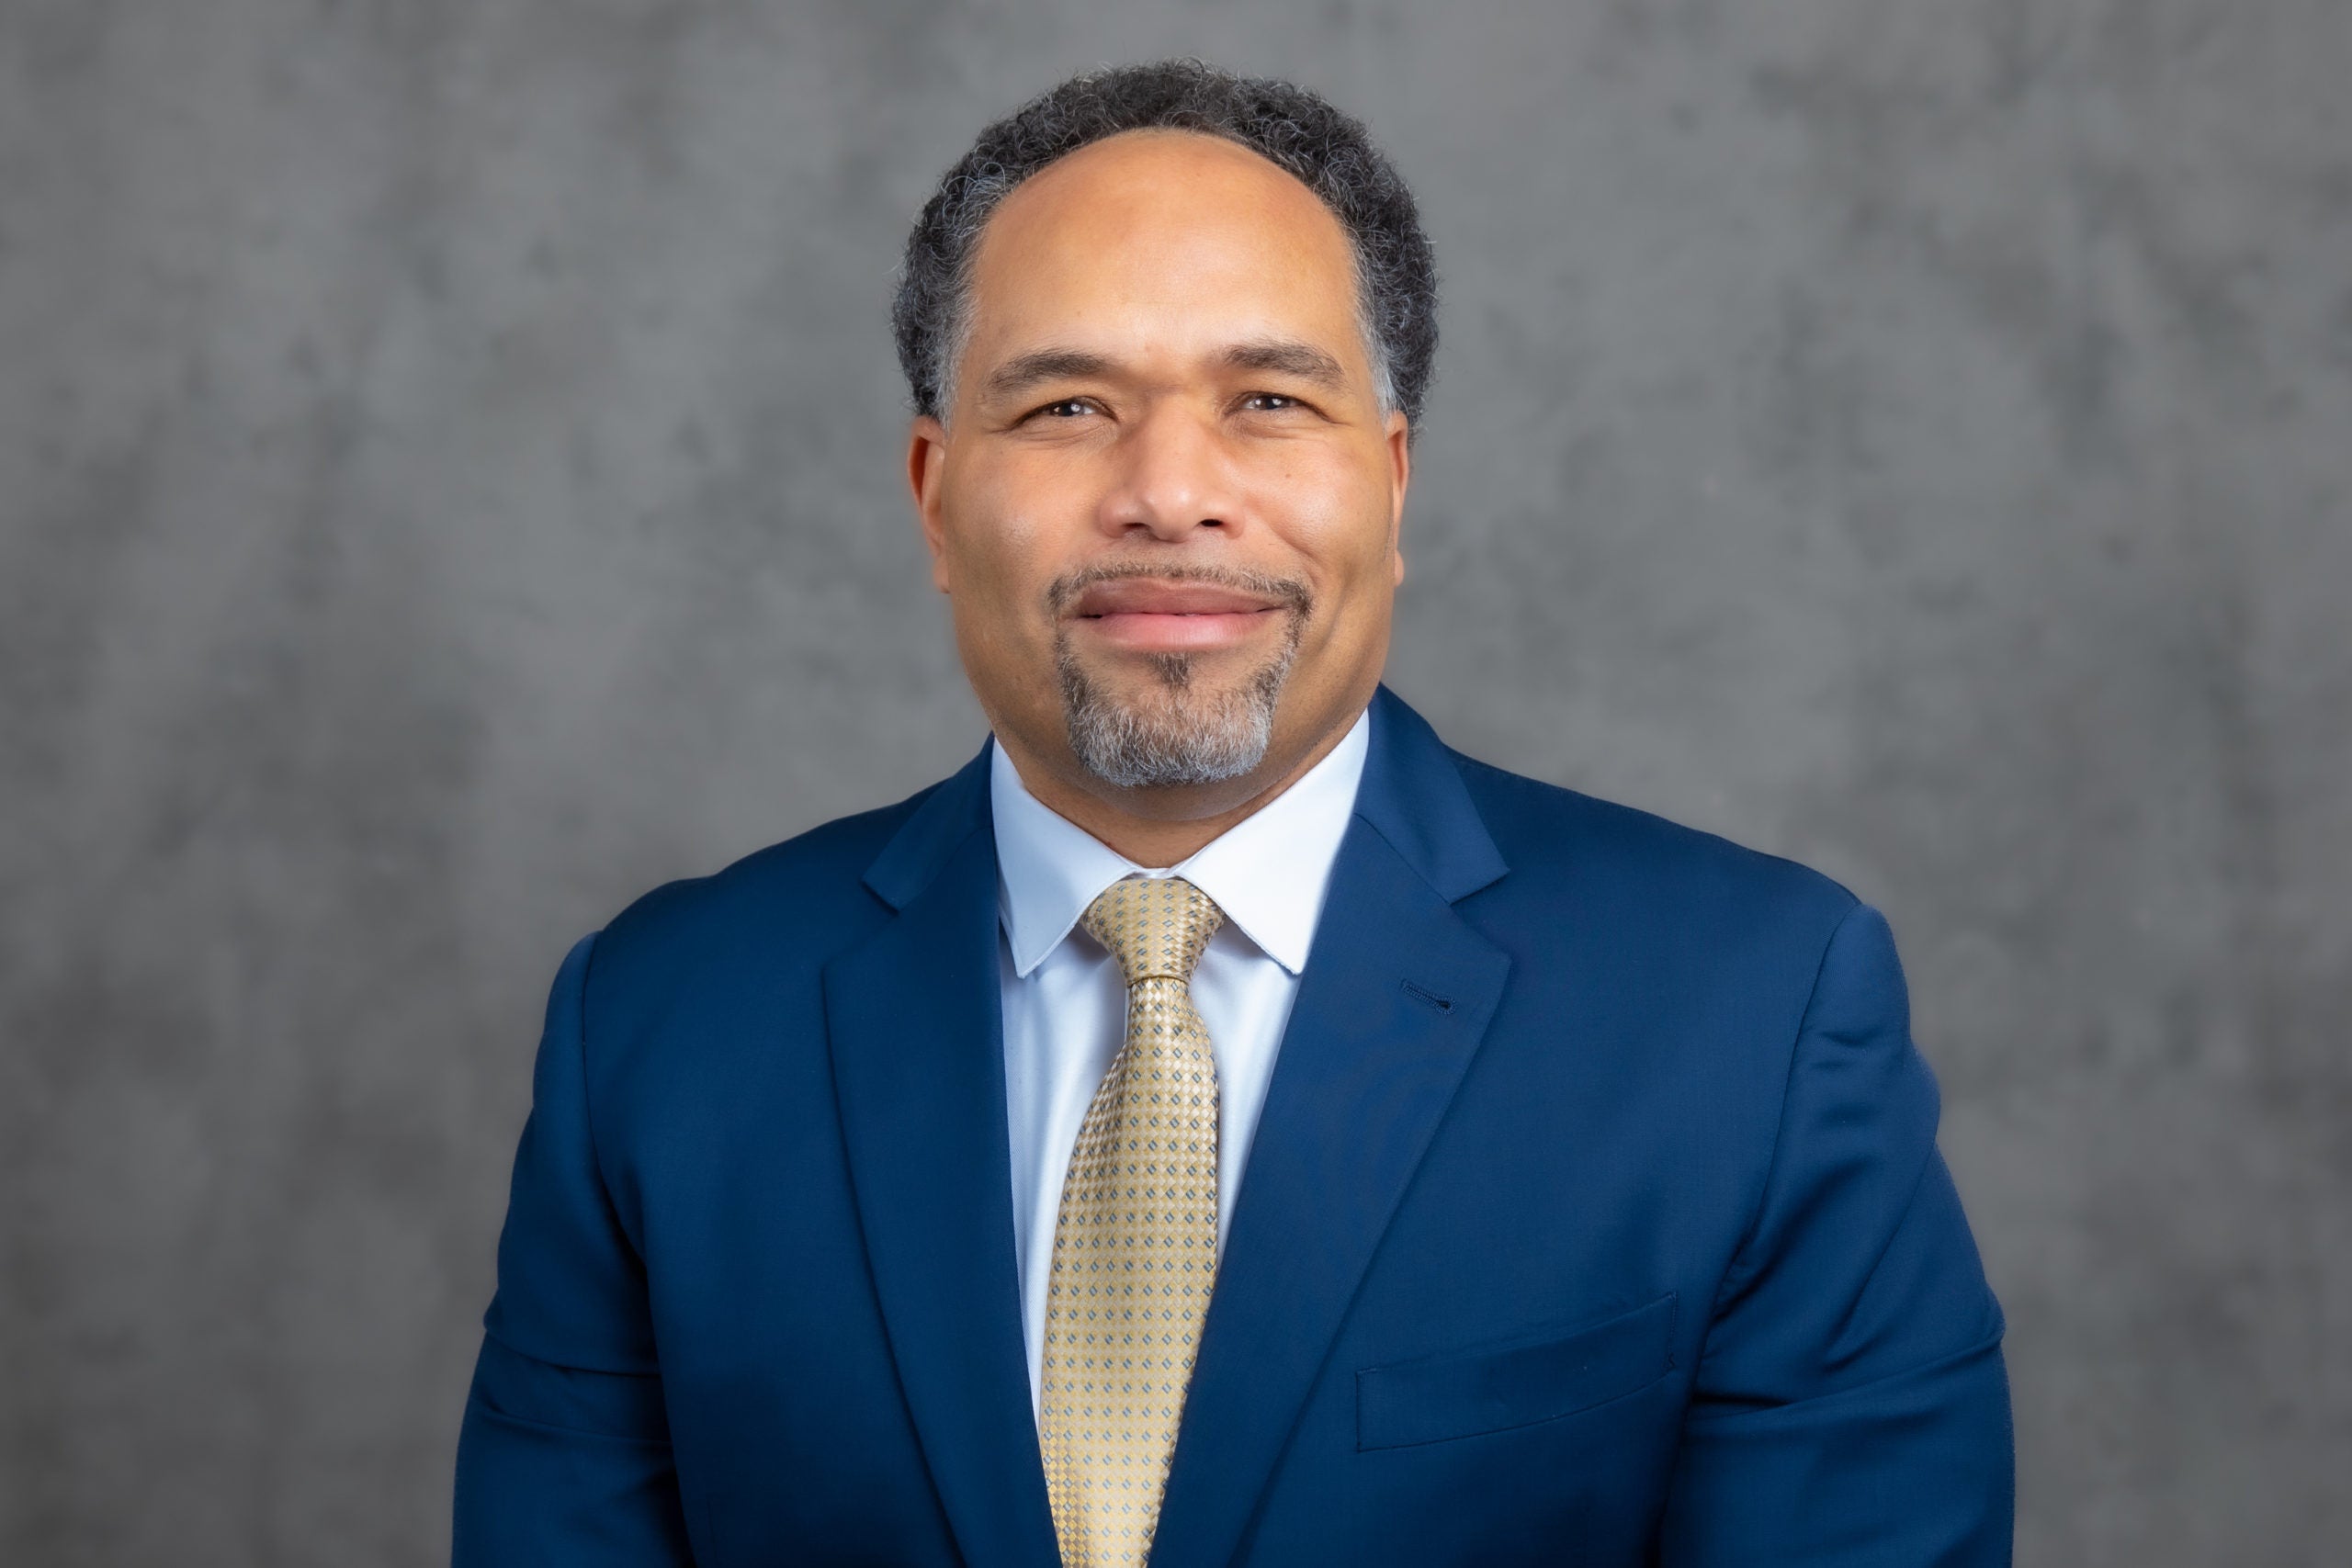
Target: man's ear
[
  {"x": 1399, "y": 438},
  {"x": 926, "y": 468}
]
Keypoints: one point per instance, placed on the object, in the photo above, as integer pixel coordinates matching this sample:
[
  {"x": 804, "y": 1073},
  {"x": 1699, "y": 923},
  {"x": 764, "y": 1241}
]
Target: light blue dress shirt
[{"x": 1065, "y": 1001}]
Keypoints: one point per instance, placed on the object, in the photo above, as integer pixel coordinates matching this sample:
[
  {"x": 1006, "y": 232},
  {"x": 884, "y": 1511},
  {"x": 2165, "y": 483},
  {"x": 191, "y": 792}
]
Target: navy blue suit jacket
[{"x": 1594, "y": 1217}]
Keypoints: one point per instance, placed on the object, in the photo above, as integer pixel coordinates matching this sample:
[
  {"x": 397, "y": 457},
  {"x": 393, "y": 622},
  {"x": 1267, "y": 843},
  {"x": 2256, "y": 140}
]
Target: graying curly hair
[{"x": 1289, "y": 126}]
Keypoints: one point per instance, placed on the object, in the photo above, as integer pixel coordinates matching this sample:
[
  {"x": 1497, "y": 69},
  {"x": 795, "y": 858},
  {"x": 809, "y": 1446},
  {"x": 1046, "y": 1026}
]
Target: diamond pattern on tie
[{"x": 1134, "y": 1241}]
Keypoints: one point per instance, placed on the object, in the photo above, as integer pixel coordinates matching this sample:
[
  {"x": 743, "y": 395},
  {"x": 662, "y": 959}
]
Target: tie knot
[{"x": 1155, "y": 926}]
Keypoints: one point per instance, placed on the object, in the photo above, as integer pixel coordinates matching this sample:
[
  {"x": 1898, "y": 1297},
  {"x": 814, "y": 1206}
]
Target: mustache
[{"x": 1288, "y": 591}]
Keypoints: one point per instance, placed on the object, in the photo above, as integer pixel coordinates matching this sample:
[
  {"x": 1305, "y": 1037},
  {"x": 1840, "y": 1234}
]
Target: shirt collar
[{"x": 1267, "y": 872}]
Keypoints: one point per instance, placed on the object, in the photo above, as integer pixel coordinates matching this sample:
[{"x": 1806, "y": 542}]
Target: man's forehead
[
  {"x": 1168, "y": 152},
  {"x": 1150, "y": 225},
  {"x": 1161, "y": 184}
]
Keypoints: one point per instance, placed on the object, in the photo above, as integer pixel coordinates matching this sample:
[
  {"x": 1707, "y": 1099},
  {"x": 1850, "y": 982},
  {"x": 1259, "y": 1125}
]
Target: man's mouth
[{"x": 1144, "y": 616}]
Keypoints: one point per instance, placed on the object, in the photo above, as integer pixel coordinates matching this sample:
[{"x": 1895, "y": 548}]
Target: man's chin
[{"x": 1168, "y": 720}]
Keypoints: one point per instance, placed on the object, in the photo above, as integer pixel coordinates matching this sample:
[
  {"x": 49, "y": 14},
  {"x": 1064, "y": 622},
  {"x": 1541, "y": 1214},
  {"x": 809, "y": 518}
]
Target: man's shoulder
[
  {"x": 807, "y": 893},
  {"x": 1564, "y": 842}
]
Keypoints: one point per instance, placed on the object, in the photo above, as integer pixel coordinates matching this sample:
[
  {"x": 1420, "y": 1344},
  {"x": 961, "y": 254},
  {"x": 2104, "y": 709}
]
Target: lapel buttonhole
[{"x": 1443, "y": 1004}]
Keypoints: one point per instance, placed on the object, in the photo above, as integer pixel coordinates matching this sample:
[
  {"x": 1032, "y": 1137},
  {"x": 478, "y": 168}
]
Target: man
[{"x": 1221, "y": 1124}]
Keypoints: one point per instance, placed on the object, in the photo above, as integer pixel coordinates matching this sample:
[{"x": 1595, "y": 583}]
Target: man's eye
[
  {"x": 1270, "y": 403},
  {"x": 1067, "y": 408}
]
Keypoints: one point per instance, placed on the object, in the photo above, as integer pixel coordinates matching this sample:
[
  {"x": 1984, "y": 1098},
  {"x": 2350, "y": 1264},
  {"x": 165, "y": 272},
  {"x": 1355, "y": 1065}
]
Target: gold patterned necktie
[{"x": 1135, "y": 1242}]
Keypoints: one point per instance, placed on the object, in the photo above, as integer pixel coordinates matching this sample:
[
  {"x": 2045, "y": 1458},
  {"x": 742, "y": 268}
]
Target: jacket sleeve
[
  {"x": 564, "y": 1454},
  {"x": 1851, "y": 1407}
]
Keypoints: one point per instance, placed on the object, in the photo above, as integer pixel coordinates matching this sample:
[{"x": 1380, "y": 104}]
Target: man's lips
[{"x": 1144, "y": 616}]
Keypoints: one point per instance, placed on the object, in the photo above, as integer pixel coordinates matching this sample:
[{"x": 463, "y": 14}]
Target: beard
[{"x": 1178, "y": 729}]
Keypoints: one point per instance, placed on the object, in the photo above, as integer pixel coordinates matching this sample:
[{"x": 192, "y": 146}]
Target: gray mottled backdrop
[{"x": 449, "y": 462}]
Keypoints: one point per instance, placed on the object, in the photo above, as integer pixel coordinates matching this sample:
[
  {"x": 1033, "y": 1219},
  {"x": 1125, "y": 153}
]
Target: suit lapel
[
  {"x": 915, "y": 1024},
  {"x": 1394, "y": 1001}
]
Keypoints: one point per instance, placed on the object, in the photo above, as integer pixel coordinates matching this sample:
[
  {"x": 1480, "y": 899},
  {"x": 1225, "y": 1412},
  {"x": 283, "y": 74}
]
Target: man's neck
[{"x": 1161, "y": 827}]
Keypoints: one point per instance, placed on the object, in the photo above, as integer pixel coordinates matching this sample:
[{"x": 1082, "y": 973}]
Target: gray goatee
[{"x": 1174, "y": 733}]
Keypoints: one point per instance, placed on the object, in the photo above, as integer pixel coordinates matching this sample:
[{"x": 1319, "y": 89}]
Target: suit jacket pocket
[{"x": 1516, "y": 1382}]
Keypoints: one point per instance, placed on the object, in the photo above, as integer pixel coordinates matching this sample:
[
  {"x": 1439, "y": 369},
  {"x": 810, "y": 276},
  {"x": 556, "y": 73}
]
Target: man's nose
[{"x": 1173, "y": 477}]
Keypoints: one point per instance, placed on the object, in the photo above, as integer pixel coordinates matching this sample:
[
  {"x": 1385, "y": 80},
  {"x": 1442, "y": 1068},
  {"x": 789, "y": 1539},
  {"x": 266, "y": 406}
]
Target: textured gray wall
[{"x": 449, "y": 482}]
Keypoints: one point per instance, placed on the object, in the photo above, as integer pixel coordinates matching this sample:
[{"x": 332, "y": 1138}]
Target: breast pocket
[{"x": 1515, "y": 1383}]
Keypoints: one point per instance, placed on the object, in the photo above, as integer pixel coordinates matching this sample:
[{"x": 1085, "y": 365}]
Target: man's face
[{"x": 1164, "y": 503}]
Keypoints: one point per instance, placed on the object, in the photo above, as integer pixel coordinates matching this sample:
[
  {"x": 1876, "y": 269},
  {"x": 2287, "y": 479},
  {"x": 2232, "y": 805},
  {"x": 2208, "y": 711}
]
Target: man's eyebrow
[
  {"x": 1284, "y": 357},
  {"x": 1281, "y": 356},
  {"x": 1023, "y": 371}
]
